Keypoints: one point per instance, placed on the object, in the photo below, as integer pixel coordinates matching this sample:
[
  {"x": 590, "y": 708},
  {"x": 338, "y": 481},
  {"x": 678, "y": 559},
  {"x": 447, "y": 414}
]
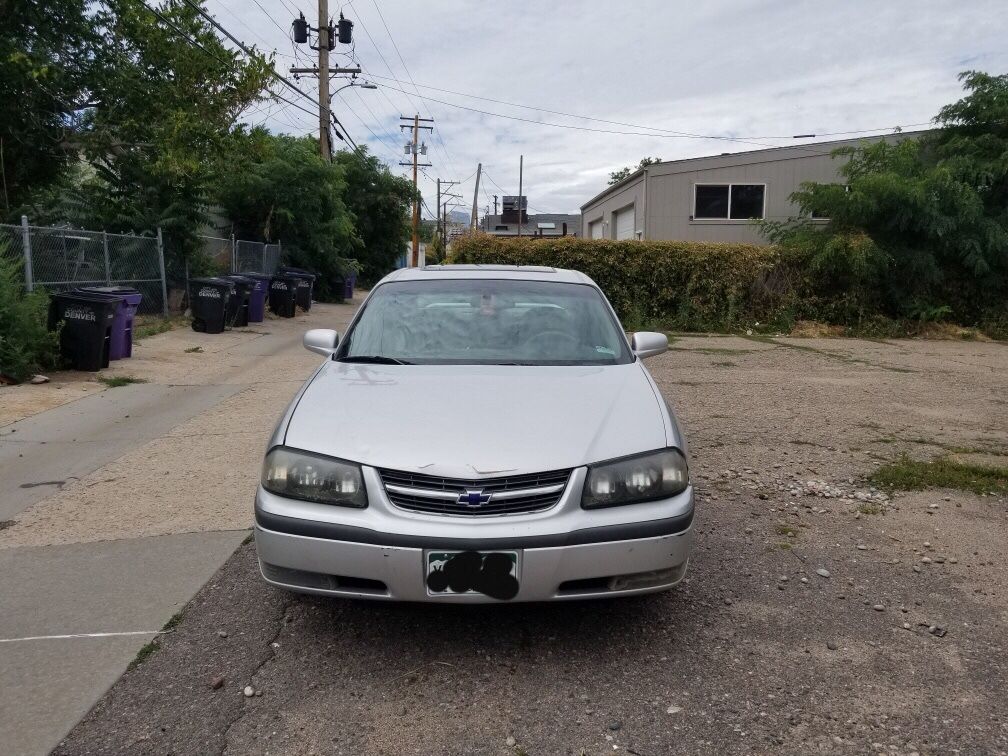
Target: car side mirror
[
  {"x": 321, "y": 341},
  {"x": 648, "y": 343}
]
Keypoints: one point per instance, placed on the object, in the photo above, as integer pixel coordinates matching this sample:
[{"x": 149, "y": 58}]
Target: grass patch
[
  {"x": 714, "y": 350},
  {"x": 115, "y": 381},
  {"x": 173, "y": 621},
  {"x": 194, "y": 350},
  {"x": 867, "y": 508},
  {"x": 145, "y": 652},
  {"x": 911, "y": 475},
  {"x": 724, "y": 363},
  {"x": 782, "y": 528},
  {"x": 839, "y": 356},
  {"x": 151, "y": 325}
]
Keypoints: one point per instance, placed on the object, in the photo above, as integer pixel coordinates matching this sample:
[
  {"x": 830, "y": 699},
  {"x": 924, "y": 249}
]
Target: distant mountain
[{"x": 459, "y": 216}]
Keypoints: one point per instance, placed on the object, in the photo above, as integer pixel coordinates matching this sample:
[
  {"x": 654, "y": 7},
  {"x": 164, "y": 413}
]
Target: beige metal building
[{"x": 713, "y": 198}]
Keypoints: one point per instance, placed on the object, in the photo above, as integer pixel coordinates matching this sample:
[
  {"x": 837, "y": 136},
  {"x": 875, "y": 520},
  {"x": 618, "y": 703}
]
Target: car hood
[{"x": 467, "y": 421}]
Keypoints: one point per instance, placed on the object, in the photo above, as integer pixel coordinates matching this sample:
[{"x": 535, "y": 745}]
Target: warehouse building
[{"x": 713, "y": 198}]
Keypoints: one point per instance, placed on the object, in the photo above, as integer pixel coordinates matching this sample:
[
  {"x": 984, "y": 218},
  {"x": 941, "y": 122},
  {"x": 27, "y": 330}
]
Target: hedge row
[{"x": 681, "y": 285}]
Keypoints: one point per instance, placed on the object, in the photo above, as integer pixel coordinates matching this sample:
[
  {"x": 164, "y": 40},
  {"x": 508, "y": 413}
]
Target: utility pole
[
  {"x": 521, "y": 162},
  {"x": 416, "y": 150},
  {"x": 325, "y": 148},
  {"x": 327, "y": 37},
  {"x": 479, "y": 173},
  {"x": 438, "y": 220}
]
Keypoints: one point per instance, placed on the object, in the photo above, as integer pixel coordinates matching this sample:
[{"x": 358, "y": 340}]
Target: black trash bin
[
  {"x": 209, "y": 299},
  {"x": 238, "y": 305},
  {"x": 283, "y": 295},
  {"x": 305, "y": 285},
  {"x": 86, "y": 334}
]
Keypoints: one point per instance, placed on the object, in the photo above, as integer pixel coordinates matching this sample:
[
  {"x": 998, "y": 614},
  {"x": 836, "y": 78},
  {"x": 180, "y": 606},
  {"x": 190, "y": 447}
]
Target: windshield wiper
[{"x": 374, "y": 359}]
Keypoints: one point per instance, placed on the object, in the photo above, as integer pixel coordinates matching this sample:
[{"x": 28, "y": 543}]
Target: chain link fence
[
  {"x": 238, "y": 255},
  {"x": 58, "y": 259}
]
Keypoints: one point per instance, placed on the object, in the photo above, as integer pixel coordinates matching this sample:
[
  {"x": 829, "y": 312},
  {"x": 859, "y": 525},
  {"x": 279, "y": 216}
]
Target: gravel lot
[{"x": 818, "y": 615}]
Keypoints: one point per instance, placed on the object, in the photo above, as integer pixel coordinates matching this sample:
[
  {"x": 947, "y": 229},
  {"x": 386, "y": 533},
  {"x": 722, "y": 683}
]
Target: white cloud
[{"x": 736, "y": 69}]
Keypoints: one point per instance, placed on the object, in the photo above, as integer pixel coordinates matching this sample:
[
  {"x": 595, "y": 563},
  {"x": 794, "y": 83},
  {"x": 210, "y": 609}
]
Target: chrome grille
[{"x": 508, "y": 495}]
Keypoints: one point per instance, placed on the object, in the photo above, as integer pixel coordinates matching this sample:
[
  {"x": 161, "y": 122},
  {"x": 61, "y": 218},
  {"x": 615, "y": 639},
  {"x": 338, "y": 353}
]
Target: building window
[
  {"x": 711, "y": 201},
  {"x": 728, "y": 201},
  {"x": 500, "y": 228}
]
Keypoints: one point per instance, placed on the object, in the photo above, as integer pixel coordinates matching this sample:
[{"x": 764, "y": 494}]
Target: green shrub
[
  {"x": 703, "y": 286},
  {"x": 26, "y": 345},
  {"x": 690, "y": 286}
]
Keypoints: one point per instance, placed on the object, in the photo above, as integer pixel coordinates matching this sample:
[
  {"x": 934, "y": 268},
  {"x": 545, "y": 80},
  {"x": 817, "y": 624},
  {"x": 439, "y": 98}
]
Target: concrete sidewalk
[{"x": 120, "y": 504}]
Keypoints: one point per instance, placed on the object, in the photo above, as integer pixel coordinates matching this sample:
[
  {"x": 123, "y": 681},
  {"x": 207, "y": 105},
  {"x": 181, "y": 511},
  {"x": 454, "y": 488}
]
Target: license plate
[{"x": 492, "y": 573}]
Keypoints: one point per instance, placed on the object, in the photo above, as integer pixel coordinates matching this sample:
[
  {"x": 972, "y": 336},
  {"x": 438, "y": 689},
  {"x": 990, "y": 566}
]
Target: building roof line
[{"x": 794, "y": 148}]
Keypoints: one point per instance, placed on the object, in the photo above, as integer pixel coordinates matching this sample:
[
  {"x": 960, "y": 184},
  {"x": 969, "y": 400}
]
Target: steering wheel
[{"x": 552, "y": 336}]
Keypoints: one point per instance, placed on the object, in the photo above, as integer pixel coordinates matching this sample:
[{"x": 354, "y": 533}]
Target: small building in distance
[{"x": 540, "y": 224}]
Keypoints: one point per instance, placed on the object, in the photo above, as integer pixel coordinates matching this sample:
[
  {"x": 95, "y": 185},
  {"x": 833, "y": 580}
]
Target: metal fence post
[
  {"x": 108, "y": 268},
  {"x": 234, "y": 254},
  {"x": 264, "y": 258},
  {"x": 164, "y": 281},
  {"x": 26, "y": 245}
]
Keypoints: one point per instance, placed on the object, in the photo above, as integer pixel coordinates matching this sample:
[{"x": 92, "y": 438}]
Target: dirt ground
[{"x": 818, "y": 616}]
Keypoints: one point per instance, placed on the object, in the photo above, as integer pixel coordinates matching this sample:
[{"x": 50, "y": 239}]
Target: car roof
[{"x": 518, "y": 272}]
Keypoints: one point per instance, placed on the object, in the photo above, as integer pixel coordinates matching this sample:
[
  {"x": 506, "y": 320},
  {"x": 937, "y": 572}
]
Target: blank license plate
[{"x": 492, "y": 573}]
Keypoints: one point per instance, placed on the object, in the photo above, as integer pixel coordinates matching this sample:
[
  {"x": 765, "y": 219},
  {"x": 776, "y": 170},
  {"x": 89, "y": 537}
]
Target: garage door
[
  {"x": 595, "y": 230},
  {"x": 625, "y": 224}
]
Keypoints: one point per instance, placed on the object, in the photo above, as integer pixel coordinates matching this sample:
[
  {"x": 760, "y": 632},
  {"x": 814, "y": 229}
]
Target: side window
[
  {"x": 711, "y": 201},
  {"x": 728, "y": 201},
  {"x": 747, "y": 201}
]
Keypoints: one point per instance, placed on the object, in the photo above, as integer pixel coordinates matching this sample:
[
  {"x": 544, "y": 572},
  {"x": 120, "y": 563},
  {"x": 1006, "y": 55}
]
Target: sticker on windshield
[{"x": 606, "y": 350}]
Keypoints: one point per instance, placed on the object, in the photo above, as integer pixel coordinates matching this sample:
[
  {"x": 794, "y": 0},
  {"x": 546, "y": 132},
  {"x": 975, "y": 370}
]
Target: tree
[
  {"x": 159, "y": 116},
  {"x": 616, "y": 176},
  {"x": 278, "y": 187},
  {"x": 922, "y": 222},
  {"x": 380, "y": 204},
  {"x": 47, "y": 53}
]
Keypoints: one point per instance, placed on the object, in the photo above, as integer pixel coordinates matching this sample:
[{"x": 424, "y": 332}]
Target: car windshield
[{"x": 486, "y": 322}]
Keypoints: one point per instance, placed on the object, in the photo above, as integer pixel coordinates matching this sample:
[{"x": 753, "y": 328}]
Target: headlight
[
  {"x": 312, "y": 477},
  {"x": 656, "y": 475}
]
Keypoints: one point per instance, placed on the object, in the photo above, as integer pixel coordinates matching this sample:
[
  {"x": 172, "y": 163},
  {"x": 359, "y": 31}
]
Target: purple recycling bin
[
  {"x": 257, "y": 297},
  {"x": 121, "y": 335}
]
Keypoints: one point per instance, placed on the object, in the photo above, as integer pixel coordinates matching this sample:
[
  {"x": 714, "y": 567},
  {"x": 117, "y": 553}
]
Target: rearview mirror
[
  {"x": 648, "y": 343},
  {"x": 321, "y": 341}
]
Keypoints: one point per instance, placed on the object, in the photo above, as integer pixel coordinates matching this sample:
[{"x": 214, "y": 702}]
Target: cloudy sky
[{"x": 664, "y": 78}]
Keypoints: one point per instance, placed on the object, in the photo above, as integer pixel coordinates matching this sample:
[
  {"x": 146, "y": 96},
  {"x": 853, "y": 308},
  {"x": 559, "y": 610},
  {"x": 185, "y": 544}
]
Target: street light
[{"x": 354, "y": 83}]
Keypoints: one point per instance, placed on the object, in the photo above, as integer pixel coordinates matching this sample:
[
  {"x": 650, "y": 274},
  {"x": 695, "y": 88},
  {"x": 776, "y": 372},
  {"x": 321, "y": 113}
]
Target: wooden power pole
[
  {"x": 325, "y": 148},
  {"x": 416, "y": 149},
  {"x": 479, "y": 173}
]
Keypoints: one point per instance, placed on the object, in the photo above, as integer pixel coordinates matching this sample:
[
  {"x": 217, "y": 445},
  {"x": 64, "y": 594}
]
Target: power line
[
  {"x": 217, "y": 25},
  {"x": 663, "y": 133},
  {"x": 444, "y": 148}
]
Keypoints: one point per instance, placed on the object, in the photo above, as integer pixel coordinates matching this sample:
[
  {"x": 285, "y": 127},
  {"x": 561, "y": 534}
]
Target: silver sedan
[{"x": 481, "y": 434}]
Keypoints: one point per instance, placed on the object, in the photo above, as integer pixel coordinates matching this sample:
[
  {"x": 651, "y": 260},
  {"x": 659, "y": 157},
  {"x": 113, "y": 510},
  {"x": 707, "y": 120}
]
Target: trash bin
[
  {"x": 238, "y": 305},
  {"x": 257, "y": 298},
  {"x": 208, "y": 298},
  {"x": 121, "y": 338},
  {"x": 339, "y": 288},
  {"x": 348, "y": 283},
  {"x": 283, "y": 295},
  {"x": 86, "y": 318},
  {"x": 305, "y": 284}
]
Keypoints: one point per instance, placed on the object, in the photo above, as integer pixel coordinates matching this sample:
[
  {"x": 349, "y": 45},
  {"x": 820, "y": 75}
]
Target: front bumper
[{"x": 564, "y": 552}]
